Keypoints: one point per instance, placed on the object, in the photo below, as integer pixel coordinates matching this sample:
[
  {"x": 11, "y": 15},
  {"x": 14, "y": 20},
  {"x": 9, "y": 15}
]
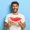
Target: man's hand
[
  {"x": 6, "y": 25},
  {"x": 22, "y": 25}
]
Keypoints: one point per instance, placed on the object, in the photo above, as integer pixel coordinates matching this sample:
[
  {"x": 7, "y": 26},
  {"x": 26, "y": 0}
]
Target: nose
[{"x": 14, "y": 6}]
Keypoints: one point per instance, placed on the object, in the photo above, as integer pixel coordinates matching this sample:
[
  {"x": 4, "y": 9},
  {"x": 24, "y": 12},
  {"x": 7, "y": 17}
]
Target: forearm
[
  {"x": 22, "y": 25},
  {"x": 6, "y": 25}
]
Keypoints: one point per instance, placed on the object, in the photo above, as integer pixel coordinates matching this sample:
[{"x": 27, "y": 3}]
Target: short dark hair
[{"x": 15, "y": 2}]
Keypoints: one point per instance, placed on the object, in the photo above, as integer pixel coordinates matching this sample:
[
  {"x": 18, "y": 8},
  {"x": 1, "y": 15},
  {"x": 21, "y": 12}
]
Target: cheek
[
  {"x": 12, "y": 7},
  {"x": 16, "y": 7}
]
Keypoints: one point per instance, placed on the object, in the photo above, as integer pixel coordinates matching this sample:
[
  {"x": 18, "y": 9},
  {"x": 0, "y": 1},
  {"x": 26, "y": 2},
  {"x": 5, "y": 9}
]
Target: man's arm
[
  {"x": 6, "y": 25},
  {"x": 22, "y": 24}
]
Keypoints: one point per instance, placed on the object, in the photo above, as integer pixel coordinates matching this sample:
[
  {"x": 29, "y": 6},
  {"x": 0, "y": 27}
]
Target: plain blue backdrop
[{"x": 24, "y": 8}]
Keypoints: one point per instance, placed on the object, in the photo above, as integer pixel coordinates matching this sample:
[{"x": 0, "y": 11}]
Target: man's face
[{"x": 15, "y": 8}]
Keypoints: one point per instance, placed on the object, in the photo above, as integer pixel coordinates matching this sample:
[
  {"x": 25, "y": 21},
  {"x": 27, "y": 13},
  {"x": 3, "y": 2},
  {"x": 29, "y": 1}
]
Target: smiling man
[{"x": 15, "y": 20}]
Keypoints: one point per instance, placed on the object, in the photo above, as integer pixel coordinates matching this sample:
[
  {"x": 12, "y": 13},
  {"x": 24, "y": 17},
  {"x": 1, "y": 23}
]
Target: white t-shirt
[{"x": 15, "y": 27}]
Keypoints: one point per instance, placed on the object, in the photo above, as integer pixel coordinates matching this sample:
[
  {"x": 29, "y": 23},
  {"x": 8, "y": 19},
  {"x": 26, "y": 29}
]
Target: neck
[{"x": 15, "y": 13}]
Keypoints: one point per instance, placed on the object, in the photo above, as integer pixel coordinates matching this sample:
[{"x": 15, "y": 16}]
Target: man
[{"x": 14, "y": 20}]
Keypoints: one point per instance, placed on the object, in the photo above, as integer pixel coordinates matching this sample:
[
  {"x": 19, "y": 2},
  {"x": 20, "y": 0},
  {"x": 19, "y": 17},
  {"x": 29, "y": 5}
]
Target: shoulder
[
  {"x": 21, "y": 15},
  {"x": 8, "y": 15}
]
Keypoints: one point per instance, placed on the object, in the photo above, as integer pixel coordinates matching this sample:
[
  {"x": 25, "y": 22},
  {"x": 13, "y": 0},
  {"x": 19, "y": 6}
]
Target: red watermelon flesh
[{"x": 15, "y": 19}]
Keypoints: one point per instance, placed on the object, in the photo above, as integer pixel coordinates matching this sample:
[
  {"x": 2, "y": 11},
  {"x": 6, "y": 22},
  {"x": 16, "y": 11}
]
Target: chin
[{"x": 14, "y": 12}]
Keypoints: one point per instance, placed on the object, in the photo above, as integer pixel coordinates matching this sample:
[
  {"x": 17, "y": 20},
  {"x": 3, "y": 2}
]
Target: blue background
[{"x": 24, "y": 8}]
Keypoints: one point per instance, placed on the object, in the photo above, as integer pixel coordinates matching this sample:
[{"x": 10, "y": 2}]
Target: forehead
[{"x": 14, "y": 5}]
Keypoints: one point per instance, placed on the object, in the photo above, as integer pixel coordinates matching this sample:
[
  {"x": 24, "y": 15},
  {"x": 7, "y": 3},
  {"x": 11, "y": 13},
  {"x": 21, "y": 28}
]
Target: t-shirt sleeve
[
  {"x": 23, "y": 19},
  {"x": 6, "y": 19}
]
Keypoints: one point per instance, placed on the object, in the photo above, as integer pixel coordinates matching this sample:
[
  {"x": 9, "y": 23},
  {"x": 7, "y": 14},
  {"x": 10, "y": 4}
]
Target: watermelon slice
[{"x": 17, "y": 19}]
